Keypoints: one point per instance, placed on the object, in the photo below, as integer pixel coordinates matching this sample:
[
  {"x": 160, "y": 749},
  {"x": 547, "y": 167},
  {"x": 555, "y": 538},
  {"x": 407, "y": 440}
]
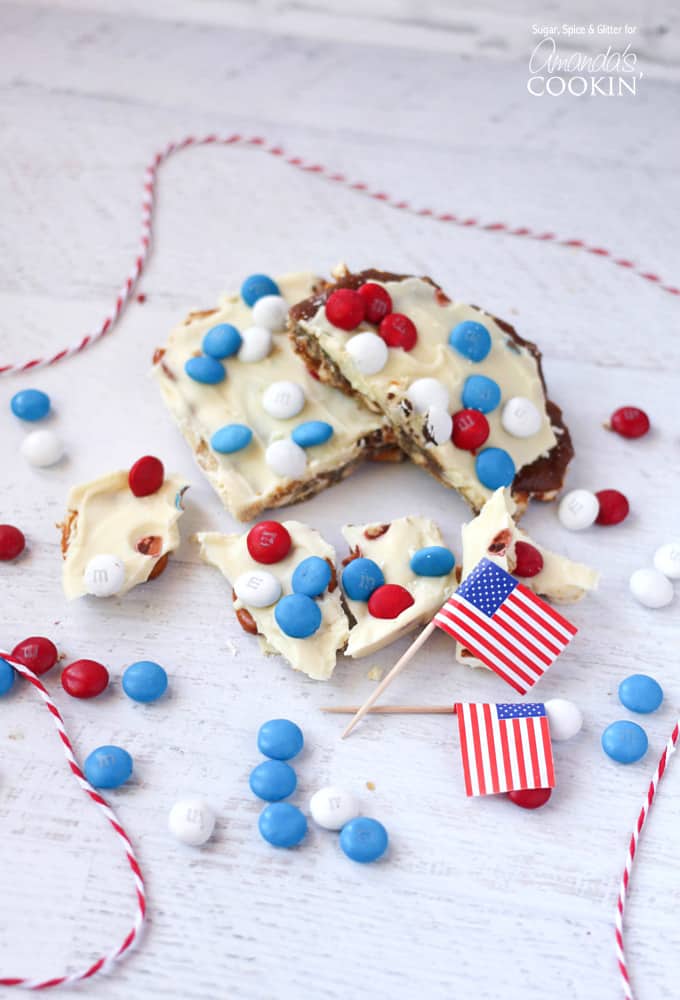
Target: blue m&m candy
[
  {"x": 311, "y": 576},
  {"x": 108, "y": 767},
  {"x": 207, "y": 370},
  {"x": 640, "y": 693},
  {"x": 231, "y": 438},
  {"x": 273, "y": 780},
  {"x": 434, "y": 560},
  {"x": 311, "y": 433},
  {"x": 360, "y": 578},
  {"x": 625, "y": 741},
  {"x": 145, "y": 681},
  {"x": 297, "y": 616},
  {"x": 282, "y": 824},
  {"x": 222, "y": 341},
  {"x": 471, "y": 339},
  {"x": 280, "y": 739},
  {"x": 7, "y": 676},
  {"x": 481, "y": 393},
  {"x": 364, "y": 839},
  {"x": 256, "y": 286},
  {"x": 494, "y": 468},
  {"x": 30, "y": 404}
]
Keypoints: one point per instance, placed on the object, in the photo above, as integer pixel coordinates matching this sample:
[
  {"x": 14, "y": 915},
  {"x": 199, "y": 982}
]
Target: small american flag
[
  {"x": 505, "y": 748},
  {"x": 507, "y": 626}
]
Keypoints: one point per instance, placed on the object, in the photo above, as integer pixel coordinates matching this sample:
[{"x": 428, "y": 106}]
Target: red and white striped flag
[
  {"x": 505, "y": 625},
  {"x": 505, "y": 748}
]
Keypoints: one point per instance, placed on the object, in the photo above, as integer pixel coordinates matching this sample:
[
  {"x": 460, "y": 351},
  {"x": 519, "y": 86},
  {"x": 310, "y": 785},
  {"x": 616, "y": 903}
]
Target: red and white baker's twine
[
  {"x": 104, "y": 963},
  {"x": 150, "y": 179},
  {"x": 670, "y": 748}
]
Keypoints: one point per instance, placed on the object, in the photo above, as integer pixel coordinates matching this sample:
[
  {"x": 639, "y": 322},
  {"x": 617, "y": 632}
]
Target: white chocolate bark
[
  {"x": 392, "y": 551},
  {"x": 244, "y": 481},
  {"x": 314, "y": 656},
  {"x": 111, "y": 520}
]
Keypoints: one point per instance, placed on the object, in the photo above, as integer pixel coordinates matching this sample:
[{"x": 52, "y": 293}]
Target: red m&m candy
[
  {"x": 614, "y": 507},
  {"x": 12, "y": 542},
  {"x": 377, "y": 302},
  {"x": 528, "y": 560},
  {"x": 268, "y": 542},
  {"x": 146, "y": 476},
  {"x": 345, "y": 308},
  {"x": 389, "y": 601},
  {"x": 398, "y": 330},
  {"x": 530, "y": 798},
  {"x": 470, "y": 429},
  {"x": 38, "y": 653},
  {"x": 629, "y": 422},
  {"x": 84, "y": 679}
]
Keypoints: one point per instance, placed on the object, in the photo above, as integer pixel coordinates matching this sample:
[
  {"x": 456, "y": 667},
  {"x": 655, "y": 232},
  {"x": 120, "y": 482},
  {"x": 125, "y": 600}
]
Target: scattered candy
[
  {"x": 389, "y": 601},
  {"x": 427, "y": 392},
  {"x": 30, "y": 404},
  {"x": 312, "y": 433},
  {"x": 7, "y": 677},
  {"x": 282, "y": 824},
  {"x": 146, "y": 476},
  {"x": 221, "y": 341},
  {"x": 345, "y": 308},
  {"x": 666, "y": 560},
  {"x": 398, "y": 330},
  {"x": 629, "y": 422},
  {"x": 42, "y": 448},
  {"x": 104, "y": 575},
  {"x": 521, "y": 418},
  {"x": 438, "y": 425},
  {"x": 368, "y": 351},
  {"x": 578, "y": 510},
  {"x": 268, "y": 542},
  {"x": 206, "y": 370},
  {"x": 231, "y": 438},
  {"x": 470, "y": 429},
  {"x": 257, "y": 588},
  {"x": 360, "y": 578},
  {"x": 280, "y": 739},
  {"x": 481, "y": 393},
  {"x": 625, "y": 741},
  {"x": 364, "y": 839},
  {"x": 273, "y": 780},
  {"x": 434, "y": 560},
  {"x": 38, "y": 653},
  {"x": 651, "y": 588},
  {"x": 494, "y": 467},
  {"x": 530, "y": 798},
  {"x": 564, "y": 718},
  {"x": 471, "y": 339},
  {"x": 298, "y": 616},
  {"x": 192, "y": 822},
  {"x": 283, "y": 400},
  {"x": 614, "y": 507},
  {"x": 528, "y": 560},
  {"x": 377, "y": 302},
  {"x": 256, "y": 344},
  {"x": 311, "y": 576},
  {"x": 332, "y": 807},
  {"x": 84, "y": 679},
  {"x": 286, "y": 459},
  {"x": 640, "y": 693},
  {"x": 145, "y": 681},
  {"x": 271, "y": 312},
  {"x": 108, "y": 767},
  {"x": 12, "y": 542},
  {"x": 256, "y": 286}
]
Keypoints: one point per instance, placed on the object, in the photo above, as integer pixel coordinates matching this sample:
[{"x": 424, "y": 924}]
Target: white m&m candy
[
  {"x": 667, "y": 560},
  {"x": 564, "y": 717},
  {"x": 521, "y": 418},
  {"x": 256, "y": 344},
  {"x": 286, "y": 458},
  {"x": 368, "y": 351},
  {"x": 438, "y": 425},
  {"x": 427, "y": 392},
  {"x": 283, "y": 400},
  {"x": 42, "y": 448},
  {"x": 271, "y": 312},
  {"x": 333, "y": 807},
  {"x": 104, "y": 575},
  {"x": 651, "y": 588},
  {"x": 578, "y": 510},
  {"x": 258, "y": 588},
  {"x": 192, "y": 821}
]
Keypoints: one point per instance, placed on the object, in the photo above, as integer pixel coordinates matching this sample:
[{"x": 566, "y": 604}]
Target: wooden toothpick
[{"x": 392, "y": 709}]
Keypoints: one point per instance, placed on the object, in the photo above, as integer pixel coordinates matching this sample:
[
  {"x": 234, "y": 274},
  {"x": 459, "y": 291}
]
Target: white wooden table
[{"x": 477, "y": 899}]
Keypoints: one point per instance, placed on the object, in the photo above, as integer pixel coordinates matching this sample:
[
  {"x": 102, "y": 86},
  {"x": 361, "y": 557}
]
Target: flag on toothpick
[
  {"x": 505, "y": 625},
  {"x": 505, "y": 748}
]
